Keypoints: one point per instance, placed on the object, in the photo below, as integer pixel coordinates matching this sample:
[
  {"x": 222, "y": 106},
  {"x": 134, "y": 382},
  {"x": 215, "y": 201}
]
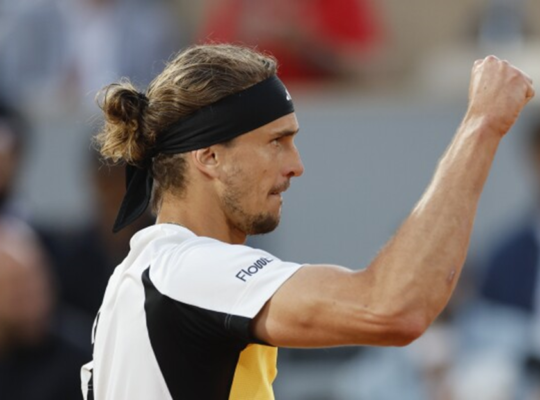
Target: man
[{"x": 192, "y": 313}]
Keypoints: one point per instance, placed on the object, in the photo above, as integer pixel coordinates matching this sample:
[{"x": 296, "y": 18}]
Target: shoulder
[
  {"x": 211, "y": 274},
  {"x": 207, "y": 253},
  {"x": 199, "y": 259}
]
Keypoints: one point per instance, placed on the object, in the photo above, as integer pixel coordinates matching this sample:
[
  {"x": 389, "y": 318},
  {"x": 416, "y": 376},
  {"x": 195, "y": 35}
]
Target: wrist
[{"x": 483, "y": 126}]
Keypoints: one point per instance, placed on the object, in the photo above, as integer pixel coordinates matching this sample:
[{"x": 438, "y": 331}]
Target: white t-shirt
[{"x": 175, "y": 321}]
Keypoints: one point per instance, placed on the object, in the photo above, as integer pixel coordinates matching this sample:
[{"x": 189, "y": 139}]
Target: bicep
[{"x": 322, "y": 305}]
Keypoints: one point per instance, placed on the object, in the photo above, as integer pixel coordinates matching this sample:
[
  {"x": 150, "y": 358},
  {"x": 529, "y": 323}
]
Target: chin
[{"x": 264, "y": 223}]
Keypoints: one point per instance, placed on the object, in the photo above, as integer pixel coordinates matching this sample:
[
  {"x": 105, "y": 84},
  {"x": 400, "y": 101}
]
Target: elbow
[
  {"x": 401, "y": 330},
  {"x": 388, "y": 328},
  {"x": 406, "y": 330}
]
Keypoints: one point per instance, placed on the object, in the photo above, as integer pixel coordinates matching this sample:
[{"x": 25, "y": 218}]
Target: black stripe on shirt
[{"x": 196, "y": 349}]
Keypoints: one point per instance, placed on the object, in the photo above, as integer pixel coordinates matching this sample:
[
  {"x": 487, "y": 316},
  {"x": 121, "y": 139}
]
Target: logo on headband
[{"x": 289, "y": 98}]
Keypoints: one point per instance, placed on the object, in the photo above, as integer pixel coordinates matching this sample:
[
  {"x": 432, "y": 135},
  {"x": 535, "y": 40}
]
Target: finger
[
  {"x": 530, "y": 93},
  {"x": 528, "y": 78},
  {"x": 491, "y": 58},
  {"x": 525, "y": 75}
]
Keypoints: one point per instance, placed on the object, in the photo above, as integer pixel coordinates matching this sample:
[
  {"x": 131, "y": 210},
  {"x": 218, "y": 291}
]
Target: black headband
[{"x": 219, "y": 122}]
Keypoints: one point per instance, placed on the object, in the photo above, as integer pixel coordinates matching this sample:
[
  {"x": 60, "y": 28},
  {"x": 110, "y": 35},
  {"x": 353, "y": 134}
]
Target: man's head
[
  {"x": 248, "y": 175},
  {"x": 136, "y": 125}
]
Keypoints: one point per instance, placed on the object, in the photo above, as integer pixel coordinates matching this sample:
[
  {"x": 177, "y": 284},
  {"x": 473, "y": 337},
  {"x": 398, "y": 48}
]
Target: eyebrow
[{"x": 285, "y": 133}]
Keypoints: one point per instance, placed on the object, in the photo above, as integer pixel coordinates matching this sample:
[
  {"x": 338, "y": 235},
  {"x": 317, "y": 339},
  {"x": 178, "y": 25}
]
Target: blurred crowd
[{"x": 55, "y": 261}]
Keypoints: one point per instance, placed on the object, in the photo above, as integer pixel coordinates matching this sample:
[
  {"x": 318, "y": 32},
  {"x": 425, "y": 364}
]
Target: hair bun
[
  {"x": 143, "y": 101},
  {"x": 124, "y": 137}
]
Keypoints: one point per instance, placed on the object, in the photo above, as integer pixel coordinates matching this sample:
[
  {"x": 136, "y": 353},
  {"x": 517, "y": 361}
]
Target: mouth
[{"x": 280, "y": 189}]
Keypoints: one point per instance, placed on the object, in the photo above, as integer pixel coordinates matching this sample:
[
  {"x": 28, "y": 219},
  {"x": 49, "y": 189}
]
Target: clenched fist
[{"x": 498, "y": 92}]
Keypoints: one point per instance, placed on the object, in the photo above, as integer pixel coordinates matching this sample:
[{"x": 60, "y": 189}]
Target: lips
[{"x": 280, "y": 189}]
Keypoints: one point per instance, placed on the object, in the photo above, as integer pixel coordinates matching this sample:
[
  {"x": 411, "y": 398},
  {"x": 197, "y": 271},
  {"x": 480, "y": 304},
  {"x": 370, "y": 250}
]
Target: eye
[{"x": 276, "y": 142}]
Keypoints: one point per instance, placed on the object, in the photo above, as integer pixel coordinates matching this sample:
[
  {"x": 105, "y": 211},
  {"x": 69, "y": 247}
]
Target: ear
[{"x": 206, "y": 161}]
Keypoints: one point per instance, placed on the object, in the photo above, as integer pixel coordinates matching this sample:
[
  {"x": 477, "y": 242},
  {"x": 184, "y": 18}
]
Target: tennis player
[{"x": 193, "y": 313}]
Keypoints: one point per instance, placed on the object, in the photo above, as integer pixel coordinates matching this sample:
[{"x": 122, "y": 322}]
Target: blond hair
[{"x": 195, "y": 78}]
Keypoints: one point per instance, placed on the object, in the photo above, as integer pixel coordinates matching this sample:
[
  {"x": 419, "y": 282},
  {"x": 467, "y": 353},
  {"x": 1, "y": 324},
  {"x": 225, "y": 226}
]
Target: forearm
[
  {"x": 410, "y": 281},
  {"x": 418, "y": 269}
]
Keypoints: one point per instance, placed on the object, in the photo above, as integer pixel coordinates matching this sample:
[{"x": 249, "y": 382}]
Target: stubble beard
[{"x": 250, "y": 224}]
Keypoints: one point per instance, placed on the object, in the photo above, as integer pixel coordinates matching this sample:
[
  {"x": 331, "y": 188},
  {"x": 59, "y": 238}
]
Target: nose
[{"x": 296, "y": 167}]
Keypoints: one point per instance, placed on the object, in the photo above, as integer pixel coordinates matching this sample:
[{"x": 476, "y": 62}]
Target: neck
[{"x": 202, "y": 217}]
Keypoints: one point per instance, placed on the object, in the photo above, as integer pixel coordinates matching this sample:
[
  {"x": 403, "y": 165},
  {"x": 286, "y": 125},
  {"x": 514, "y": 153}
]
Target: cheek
[
  {"x": 258, "y": 171},
  {"x": 253, "y": 176},
  {"x": 253, "y": 187}
]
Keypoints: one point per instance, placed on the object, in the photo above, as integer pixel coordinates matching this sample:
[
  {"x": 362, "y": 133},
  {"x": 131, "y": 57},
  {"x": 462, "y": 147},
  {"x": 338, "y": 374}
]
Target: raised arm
[{"x": 396, "y": 298}]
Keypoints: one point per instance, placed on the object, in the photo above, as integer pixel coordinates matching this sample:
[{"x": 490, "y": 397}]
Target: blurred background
[{"x": 380, "y": 88}]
